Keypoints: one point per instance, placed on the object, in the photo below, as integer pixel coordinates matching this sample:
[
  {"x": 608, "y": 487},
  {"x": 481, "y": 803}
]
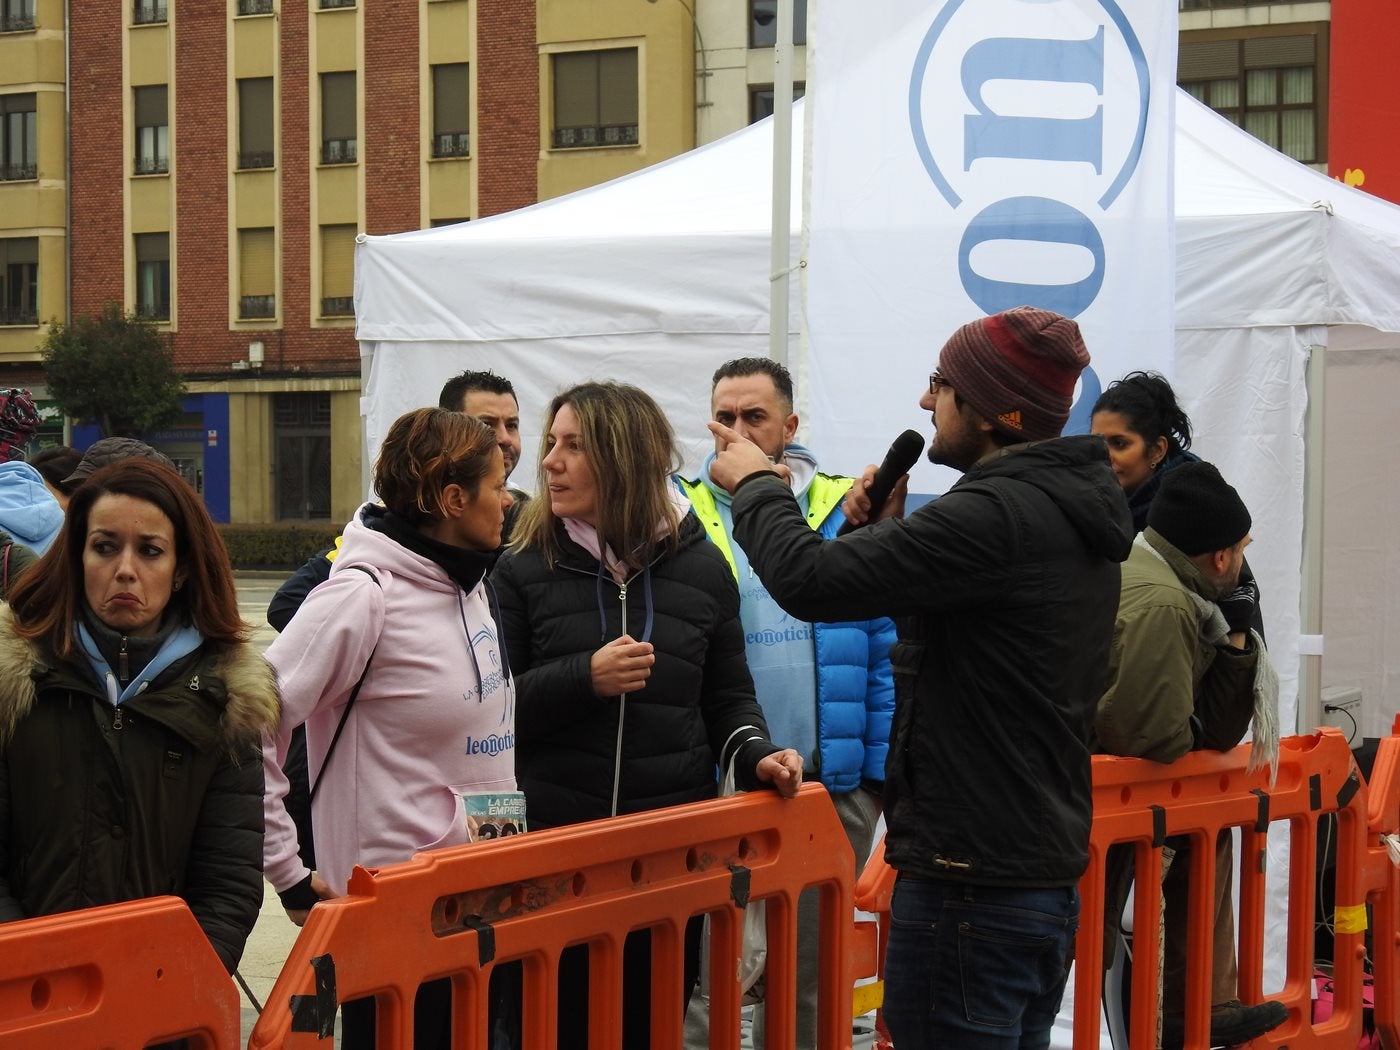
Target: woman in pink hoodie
[{"x": 397, "y": 668}]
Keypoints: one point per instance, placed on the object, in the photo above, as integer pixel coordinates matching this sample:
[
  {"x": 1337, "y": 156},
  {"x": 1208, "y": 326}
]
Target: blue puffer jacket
[{"x": 855, "y": 689}]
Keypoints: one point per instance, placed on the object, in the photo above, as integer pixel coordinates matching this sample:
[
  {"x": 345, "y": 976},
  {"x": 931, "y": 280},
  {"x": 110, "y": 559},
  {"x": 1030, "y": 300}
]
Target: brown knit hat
[{"x": 1017, "y": 369}]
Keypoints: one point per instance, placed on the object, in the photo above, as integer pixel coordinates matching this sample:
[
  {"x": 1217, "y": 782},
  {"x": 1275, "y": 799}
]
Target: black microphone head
[{"x": 905, "y": 451}]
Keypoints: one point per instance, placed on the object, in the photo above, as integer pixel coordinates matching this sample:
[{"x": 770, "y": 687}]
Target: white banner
[{"x": 967, "y": 157}]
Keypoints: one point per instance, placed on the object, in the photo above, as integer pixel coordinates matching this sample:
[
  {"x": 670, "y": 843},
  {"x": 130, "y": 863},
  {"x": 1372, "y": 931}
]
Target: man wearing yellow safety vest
[{"x": 825, "y": 688}]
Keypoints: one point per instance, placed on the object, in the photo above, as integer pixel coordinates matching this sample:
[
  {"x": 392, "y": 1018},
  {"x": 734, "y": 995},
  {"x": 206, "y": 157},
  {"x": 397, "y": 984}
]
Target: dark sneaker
[{"x": 1231, "y": 1023}]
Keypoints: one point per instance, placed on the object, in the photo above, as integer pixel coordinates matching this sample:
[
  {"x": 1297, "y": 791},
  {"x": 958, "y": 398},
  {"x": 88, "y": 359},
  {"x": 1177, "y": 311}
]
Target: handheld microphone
[{"x": 903, "y": 454}]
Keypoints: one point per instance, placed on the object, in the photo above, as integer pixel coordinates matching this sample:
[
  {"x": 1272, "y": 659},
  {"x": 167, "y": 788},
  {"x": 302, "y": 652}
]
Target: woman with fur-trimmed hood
[{"x": 131, "y": 714}]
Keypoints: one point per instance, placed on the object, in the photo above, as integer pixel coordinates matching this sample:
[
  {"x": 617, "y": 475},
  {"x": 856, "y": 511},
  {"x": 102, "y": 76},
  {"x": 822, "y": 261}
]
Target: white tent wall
[
  {"x": 675, "y": 368},
  {"x": 1246, "y": 394},
  {"x": 1361, "y": 577}
]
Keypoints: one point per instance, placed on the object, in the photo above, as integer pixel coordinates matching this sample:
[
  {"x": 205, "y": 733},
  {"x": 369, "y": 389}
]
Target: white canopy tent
[{"x": 660, "y": 276}]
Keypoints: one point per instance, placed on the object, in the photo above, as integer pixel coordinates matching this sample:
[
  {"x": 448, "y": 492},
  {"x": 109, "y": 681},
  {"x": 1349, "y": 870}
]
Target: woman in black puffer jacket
[{"x": 622, "y": 627}]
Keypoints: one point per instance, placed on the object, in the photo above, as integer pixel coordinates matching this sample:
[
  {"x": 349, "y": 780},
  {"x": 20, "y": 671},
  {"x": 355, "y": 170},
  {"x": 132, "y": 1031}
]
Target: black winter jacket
[
  {"x": 1006, "y": 590},
  {"x": 96, "y": 809},
  {"x": 699, "y": 692}
]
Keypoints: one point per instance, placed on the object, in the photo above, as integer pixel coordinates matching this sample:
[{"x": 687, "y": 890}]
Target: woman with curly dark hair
[{"x": 1147, "y": 434}]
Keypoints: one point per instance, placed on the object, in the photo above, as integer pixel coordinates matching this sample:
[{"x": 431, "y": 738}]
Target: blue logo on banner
[
  {"x": 1032, "y": 219},
  {"x": 989, "y": 134}
]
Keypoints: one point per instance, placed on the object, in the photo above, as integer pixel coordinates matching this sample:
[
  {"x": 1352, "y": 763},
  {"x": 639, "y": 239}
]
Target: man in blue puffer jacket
[{"x": 825, "y": 688}]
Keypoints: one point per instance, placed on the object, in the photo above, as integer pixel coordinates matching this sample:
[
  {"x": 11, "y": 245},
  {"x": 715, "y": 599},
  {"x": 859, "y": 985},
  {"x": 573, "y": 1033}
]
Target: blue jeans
[{"x": 976, "y": 967}]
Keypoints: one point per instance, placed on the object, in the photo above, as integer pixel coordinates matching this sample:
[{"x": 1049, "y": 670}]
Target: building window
[
  {"x": 148, "y": 12},
  {"x": 255, "y": 123},
  {"x": 763, "y": 22},
  {"x": 595, "y": 98},
  {"x": 16, "y": 15},
  {"x": 338, "y": 138},
  {"x": 255, "y": 7},
  {"x": 1206, "y": 5},
  {"x": 451, "y": 112},
  {"x": 257, "y": 274},
  {"x": 19, "y": 280},
  {"x": 152, "y": 131},
  {"x": 1268, "y": 85},
  {"x": 337, "y": 271},
  {"x": 761, "y": 100},
  {"x": 19, "y": 142},
  {"x": 153, "y": 276},
  {"x": 302, "y": 427}
]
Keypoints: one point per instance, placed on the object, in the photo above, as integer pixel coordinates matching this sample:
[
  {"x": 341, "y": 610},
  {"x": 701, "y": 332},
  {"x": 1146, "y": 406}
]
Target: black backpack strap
[{"x": 345, "y": 712}]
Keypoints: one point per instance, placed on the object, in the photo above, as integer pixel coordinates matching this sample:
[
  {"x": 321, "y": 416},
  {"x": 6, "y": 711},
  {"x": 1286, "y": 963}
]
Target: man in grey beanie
[{"x": 1003, "y": 592}]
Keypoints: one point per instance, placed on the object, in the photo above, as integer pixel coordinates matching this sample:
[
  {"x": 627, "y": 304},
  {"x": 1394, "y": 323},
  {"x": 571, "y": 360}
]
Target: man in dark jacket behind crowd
[
  {"x": 1005, "y": 590},
  {"x": 485, "y": 395}
]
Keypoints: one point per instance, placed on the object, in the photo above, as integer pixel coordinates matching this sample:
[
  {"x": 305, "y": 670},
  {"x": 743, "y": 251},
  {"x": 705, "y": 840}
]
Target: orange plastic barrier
[
  {"x": 461, "y": 912},
  {"x": 123, "y": 976},
  {"x": 1142, "y": 803},
  {"x": 1199, "y": 795},
  {"x": 1382, "y": 879}
]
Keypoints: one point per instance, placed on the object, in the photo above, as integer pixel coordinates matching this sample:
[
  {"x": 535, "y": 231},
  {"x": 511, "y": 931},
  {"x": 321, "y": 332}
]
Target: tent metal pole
[
  {"x": 1310, "y": 599},
  {"x": 781, "y": 250}
]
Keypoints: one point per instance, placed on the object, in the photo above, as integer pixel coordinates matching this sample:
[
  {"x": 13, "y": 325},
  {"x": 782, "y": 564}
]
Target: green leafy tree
[{"x": 113, "y": 369}]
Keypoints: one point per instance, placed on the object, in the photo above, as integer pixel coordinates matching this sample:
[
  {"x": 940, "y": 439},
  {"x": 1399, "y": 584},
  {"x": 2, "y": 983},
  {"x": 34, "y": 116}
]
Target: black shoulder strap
[{"x": 345, "y": 712}]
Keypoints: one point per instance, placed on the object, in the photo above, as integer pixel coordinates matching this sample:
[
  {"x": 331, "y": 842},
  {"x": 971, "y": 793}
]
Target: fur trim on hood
[{"x": 253, "y": 705}]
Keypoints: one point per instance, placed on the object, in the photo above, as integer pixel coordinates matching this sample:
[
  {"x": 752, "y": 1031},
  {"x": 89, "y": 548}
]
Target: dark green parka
[{"x": 162, "y": 795}]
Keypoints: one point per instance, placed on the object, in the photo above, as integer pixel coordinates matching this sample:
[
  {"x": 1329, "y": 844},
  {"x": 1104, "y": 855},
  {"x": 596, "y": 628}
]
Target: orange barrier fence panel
[
  {"x": 464, "y": 912},
  {"x": 1143, "y": 803},
  {"x": 121, "y": 976},
  {"x": 1200, "y": 796},
  {"x": 1383, "y": 879}
]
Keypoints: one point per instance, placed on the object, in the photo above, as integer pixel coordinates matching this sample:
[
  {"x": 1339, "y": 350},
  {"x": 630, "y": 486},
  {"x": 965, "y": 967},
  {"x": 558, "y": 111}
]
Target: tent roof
[
  {"x": 1258, "y": 243},
  {"x": 1265, "y": 240}
]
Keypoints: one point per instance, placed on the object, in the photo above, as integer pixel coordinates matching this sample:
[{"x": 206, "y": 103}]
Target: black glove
[{"x": 1238, "y": 606}]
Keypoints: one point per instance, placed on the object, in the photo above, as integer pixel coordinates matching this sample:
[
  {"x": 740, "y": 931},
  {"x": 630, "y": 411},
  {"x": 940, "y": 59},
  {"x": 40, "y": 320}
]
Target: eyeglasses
[{"x": 936, "y": 380}]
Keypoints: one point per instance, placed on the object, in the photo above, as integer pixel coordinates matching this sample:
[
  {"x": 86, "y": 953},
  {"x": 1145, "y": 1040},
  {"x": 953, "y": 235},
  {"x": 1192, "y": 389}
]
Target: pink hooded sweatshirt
[{"x": 423, "y": 729}]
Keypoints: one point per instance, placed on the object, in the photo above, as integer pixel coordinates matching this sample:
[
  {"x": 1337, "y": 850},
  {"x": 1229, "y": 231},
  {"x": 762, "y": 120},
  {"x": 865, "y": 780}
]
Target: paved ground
[{"x": 273, "y": 935}]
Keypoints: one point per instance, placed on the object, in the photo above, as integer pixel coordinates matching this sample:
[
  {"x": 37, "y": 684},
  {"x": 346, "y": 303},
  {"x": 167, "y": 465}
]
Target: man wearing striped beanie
[{"x": 1004, "y": 592}]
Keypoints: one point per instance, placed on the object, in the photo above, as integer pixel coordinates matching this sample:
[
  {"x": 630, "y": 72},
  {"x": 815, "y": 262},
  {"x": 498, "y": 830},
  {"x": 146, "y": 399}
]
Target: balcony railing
[
  {"x": 338, "y": 151},
  {"x": 18, "y": 315},
  {"x": 326, "y": 5},
  {"x": 18, "y": 172},
  {"x": 255, "y": 7},
  {"x": 595, "y": 135},
  {"x": 251, "y": 160},
  {"x": 152, "y": 165},
  {"x": 338, "y": 306},
  {"x": 452, "y": 144},
  {"x": 16, "y": 23},
  {"x": 255, "y": 306},
  {"x": 153, "y": 311},
  {"x": 148, "y": 12}
]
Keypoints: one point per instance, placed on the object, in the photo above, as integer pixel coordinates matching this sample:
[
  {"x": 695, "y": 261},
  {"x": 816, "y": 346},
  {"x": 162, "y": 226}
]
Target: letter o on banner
[{"x": 1031, "y": 219}]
